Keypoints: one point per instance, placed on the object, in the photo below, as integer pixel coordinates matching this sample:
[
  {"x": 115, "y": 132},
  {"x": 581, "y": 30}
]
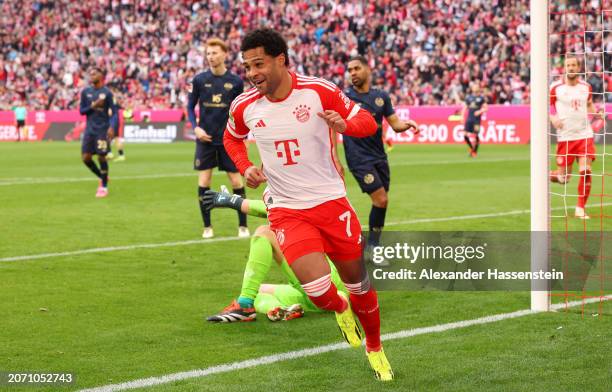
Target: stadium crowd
[{"x": 424, "y": 52}]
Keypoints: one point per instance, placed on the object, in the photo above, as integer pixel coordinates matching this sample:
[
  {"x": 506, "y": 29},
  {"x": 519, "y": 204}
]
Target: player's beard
[
  {"x": 572, "y": 76},
  {"x": 357, "y": 82}
]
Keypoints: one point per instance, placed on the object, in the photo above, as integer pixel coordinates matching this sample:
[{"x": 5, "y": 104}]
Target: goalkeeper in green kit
[{"x": 280, "y": 302}]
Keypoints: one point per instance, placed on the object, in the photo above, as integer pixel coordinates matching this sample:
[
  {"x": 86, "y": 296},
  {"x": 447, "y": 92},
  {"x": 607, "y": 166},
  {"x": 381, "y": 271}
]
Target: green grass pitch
[{"x": 120, "y": 315}]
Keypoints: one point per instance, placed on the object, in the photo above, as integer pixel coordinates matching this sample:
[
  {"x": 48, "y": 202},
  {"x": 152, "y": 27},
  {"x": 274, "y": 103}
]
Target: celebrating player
[
  {"x": 571, "y": 103},
  {"x": 292, "y": 118},
  {"x": 277, "y": 301},
  {"x": 475, "y": 105},
  {"x": 366, "y": 157},
  {"x": 214, "y": 90},
  {"x": 98, "y": 105}
]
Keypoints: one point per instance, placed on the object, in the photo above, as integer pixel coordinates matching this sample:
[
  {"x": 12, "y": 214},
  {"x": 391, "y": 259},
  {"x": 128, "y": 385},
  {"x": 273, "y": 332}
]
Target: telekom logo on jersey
[{"x": 287, "y": 149}]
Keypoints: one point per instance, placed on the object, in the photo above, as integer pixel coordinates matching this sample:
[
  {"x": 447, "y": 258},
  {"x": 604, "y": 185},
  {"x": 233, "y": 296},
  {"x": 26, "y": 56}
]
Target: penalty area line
[{"x": 309, "y": 352}]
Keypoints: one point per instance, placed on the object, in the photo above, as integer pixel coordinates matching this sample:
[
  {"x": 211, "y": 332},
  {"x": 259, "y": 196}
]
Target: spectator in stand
[{"x": 151, "y": 49}]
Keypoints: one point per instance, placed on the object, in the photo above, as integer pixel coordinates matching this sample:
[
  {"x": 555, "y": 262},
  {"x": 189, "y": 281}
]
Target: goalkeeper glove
[{"x": 212, "y": 199}]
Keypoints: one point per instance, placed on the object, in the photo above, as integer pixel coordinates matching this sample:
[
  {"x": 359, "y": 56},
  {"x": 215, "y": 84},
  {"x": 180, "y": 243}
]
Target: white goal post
[{"x": 539, "y": 141}]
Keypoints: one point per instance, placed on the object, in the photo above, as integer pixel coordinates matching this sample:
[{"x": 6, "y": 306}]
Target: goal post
[{"x": 539, "y": 141}]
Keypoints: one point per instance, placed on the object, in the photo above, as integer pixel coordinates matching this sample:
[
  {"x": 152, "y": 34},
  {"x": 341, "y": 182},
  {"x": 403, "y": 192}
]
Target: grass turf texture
[{"x": 117, "y": 316}]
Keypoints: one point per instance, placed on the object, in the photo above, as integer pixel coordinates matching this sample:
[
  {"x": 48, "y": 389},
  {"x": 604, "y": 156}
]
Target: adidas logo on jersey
[{"x": 260, "y": 124}]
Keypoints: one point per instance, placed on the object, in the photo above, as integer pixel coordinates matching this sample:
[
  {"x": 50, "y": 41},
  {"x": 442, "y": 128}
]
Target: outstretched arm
[
  {"x": 214, "y": 199},
  {"x": 402, "y": 126}
]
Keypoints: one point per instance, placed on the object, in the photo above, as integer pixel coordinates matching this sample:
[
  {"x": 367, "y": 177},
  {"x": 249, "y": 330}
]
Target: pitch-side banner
[
  {"x": 500, "y": 125},
  {"x": 150, "y": 126},
  {"x": 437, "y": 125}
]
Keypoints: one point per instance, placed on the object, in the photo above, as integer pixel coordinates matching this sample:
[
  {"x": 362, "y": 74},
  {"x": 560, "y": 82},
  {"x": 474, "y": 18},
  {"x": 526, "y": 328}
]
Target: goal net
[{"x": 571, "y": 184}]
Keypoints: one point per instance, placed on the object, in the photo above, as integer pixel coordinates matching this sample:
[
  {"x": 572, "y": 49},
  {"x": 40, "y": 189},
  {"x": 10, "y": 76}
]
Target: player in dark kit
[
  {"x": 366, "y": 157},
  {"x": 214, "y": 90},
  {"x": 120, "y": 118},
  {"x": 475, "y": 105},
  {"x": 98, "y": 105}
]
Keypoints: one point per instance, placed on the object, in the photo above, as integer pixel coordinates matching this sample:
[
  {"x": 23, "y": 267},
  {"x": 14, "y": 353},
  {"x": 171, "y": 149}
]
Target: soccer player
[
  {"x": 121, "y": 117},
  {"x": 277, "y": 301},
  {"x": 366, "y": 157},
  {"x": 292, "y": 119},
  {"x": 571, "y": 102},
  {"x": 475, "y": 105},
  {"x": 214, "y": 90},
  {"x": 98, "y": 105}
]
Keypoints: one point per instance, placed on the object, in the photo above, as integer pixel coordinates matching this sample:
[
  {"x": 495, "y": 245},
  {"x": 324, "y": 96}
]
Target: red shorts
[
  {"x": 568, "y": 151},
  {"x": 331, "y": 228}
]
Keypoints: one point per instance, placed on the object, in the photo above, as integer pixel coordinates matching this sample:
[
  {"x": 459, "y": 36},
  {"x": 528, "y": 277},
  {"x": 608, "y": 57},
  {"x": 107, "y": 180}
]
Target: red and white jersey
[
  {"x": 571, "y": 102},
  {"x": 295, "y": 145}
]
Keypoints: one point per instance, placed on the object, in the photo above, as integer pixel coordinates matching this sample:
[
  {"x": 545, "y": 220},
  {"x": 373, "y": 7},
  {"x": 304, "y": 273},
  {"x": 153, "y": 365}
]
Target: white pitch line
[
  {"x": 61, "y": 180},
  {"x": 286, "y": 356},
  {"x": 459, "y": 162},
  {"x": 453, "y": 218},
  {"x": 191, "y": 242},
  {"x": 474, "y": 216},
  {"x": 116, "y": 248}
]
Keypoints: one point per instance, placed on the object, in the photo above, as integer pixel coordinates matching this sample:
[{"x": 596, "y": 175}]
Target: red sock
[
  {"x": 366, "y": 308},
  {"x": 584, "y": 187},
  {"x": 323, "y": 293}
]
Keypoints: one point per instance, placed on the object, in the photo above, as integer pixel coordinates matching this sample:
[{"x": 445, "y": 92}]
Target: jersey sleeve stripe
[
  {"x": 247, "y": 101},
  {"x": 354, "y": 111},
  {"x": 239, "y": 100},
  {"x": 233, "y": 132},
  {"x": 311, "y": 78},
  {"x": 242, "y": 97},
  {"x": 304, "y": 79},
  {"x": 307, "y": 84}
]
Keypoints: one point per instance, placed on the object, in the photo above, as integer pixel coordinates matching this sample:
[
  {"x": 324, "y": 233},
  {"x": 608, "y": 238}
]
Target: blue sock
[
  {"x": 205, "y": 214},
  {"x": 245, "y": 302},
  {"x": 104, "y": 172},
  {"x": 377, "y": 222}
]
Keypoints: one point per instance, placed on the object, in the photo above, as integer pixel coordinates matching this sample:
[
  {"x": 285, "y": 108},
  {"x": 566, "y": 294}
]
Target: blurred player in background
[
  {"x": 120, "y": 117},
  {"x": 97, "y": 104},
  {"x": 214, "y": 90},
  {"x": 366, "y": 156},
  {"x": 293, "y": 119},
  {"x": 475, "y": 106},
  {"x": 21, "y": 113},
  {"x": 571, "y": 103},
  {"x": 280, "y": 302}
]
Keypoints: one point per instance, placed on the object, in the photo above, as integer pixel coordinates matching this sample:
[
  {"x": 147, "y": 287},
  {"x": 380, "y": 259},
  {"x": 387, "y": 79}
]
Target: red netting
[{"x": 583, "y": 29}]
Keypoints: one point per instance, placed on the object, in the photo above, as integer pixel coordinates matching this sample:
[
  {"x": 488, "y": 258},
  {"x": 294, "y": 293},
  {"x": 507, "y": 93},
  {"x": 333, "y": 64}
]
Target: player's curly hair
[
  {"x": 361, "y": 59},
  {"x": 272, "y": 42}
]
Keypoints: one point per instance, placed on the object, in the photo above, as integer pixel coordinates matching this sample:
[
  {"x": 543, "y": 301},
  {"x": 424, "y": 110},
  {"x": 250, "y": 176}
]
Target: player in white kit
[
  {"x": 293, "y": 119},
  {"x": 571, "y": 103}
]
